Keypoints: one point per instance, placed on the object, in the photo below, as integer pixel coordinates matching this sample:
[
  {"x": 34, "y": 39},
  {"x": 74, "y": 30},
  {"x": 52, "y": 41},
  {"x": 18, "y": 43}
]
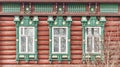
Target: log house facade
[{"x": 65, "y": 33}]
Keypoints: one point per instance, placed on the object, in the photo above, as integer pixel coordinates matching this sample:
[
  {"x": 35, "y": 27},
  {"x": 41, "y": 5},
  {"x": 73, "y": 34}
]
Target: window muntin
[
  {"x": 26, "y": 40},
  {"x": 59, "y": 39},
  {"x": 93, "y": 38}
]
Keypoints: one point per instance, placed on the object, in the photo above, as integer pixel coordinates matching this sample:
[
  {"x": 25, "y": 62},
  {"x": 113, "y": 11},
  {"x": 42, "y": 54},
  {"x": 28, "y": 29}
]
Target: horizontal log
[
  {"x": 76, "y": 23},
  {"x": 76, "y": 18},
  {"x": 76, "y": 28},
  {"x": 112, "y": 23},
  {"x": 43, "y": 52},
  {"x": 8, "y": 52},
  {"x": 43, "y": 33},
  {"x": 76, "y": 57},
  {"x": 7, "y": 47},
  {"x": 44, "y": 61},
  {"x": 112, "y": 29},
  {"x": 7, "y": 43},
  {"x": 43, "y": 28},
  {"x": 7, "y": 33},
  {"x": 76, "y": 42},
  {"x": 112, "y": 38},
  {"x": 8, "y": 61},
  {"x": 7, "y": 28},
  {"x": 43, "y": 18},
  {"x": 76, "y": 38},
  {"x": 43, "y": 47},
  {"x": 43, "y": 23},
  {"x": 7, "y": 18},
  {"x": 112, "y": 43},
  {"x": 112, "y": 34},
  {"x": 76, "y": 61},
  {"x": 10, "y": 57},
  {"x": 43, "y": 56},
  {"x": 43, "y": 42},
  {"x": 7, "y": 38},
  {"x": 76, "y": 47},
  {"x": 7, "y": 23},
  {"x": 43, "y": 38},
  {"x": 76, "y": 33},
  {"x": 112, "y": 18},
  {"x": 76, "y": 52}
]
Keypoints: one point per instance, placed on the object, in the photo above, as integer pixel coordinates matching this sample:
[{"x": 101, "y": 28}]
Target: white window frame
[
  {"x": 27, "y": 52},
  {"x": 93, "y": 49},
  {"x": 66, "y": 37}
]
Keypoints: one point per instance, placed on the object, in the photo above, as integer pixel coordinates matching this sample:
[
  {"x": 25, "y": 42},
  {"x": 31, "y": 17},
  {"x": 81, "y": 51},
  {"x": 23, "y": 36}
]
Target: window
[
  {"x": 76, "y": 7},
  {"x": 59, "y": 40},
  {"x": 93, "y": 39},
  {"x": 108, "y": 8},
  {"x": 10, "y": 7},
  {"x": 26, "y": 40}
]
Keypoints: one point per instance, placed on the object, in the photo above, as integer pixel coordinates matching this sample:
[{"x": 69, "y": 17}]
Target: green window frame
[
  {"x": 108, "y": 8},
  {"x": 59, "y": 40},
  {"x": 93, "y": 38},
  {"x": 10, "y": 7},
  {"x": 43, "y": 7},
  {"x": 76, "y": 7},
  {"x": 26, "y": 38},
  {"x": 59, "y": 29}
]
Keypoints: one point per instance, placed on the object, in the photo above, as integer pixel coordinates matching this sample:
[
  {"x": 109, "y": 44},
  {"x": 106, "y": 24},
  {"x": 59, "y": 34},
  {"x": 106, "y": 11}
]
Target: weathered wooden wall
[{"x": 8, "y": 43}]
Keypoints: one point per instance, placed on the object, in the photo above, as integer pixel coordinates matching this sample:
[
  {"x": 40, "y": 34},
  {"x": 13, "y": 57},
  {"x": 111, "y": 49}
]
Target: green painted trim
[
  {"x": 76, "y": 7},
  {"x": 11, "y": 7},
  {"x": 26, "y": 22},
  {"x": 44, "y": 7},
  {"x": 109, "y": 8},
  {"x": 92, "y": 22},
  {"x": 59, "y": 22}
]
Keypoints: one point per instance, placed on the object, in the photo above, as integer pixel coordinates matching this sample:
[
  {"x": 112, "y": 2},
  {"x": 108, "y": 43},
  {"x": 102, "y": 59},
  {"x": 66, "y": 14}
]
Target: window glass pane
[
  {"x": 89, "y": 39},
  {"x": 56, "y": 44},
  {"x": 89, "y": 31},
  {"x": 62, "y": 31},
  {"x": 63, "y": 44},
  {"x": 22, "y": 31},
  {"x": 96, "y": 39},
  {"x": 93, "y": 44},
  {"x": 96, "y": 44},
  {"x": 56, "y": 31},
  {"x": 30, "y": 44},
  {"x": 28, "y": 31},
  {"x": 89, "y": 44},
  {"x": 23, "y": 44},
  {"x": 96, "y": 31}
]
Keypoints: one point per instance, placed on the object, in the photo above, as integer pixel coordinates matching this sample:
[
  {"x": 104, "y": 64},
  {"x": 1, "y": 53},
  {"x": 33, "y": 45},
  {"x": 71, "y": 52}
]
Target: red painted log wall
[{"x": 8, "y": 43}]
